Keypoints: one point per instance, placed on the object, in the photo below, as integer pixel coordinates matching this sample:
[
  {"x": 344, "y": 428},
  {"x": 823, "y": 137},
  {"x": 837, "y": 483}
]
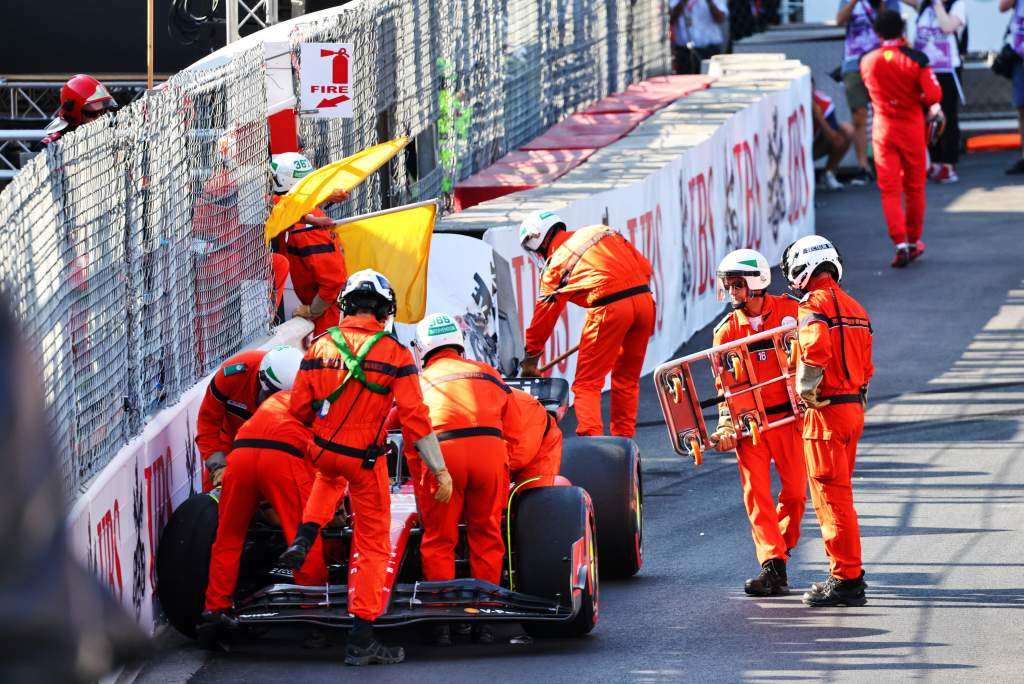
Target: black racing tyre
[
  {"x": 548, "y": 522},
  {"x": 183, "y": 561},
  {"x": 609, "y": 469}
]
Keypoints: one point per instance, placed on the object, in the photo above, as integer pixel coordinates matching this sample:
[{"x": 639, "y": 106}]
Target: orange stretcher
[{"x": 731, "y": 365}]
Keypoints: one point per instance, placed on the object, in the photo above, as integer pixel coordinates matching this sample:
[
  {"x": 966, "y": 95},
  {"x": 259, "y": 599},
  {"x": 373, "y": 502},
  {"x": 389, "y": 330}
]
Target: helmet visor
[{"x": 729, "y": 280}]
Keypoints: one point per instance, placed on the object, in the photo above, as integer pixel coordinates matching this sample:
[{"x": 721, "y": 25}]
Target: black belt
[
  {"x": 843, "y": 398},
  {"x": 287, "y": 448},
  {"x": 336, "y": 448},
  {"x": 608, "y": 299},
  {"x": 779, "y": 408},
  {"x": 468, "y": 432}
]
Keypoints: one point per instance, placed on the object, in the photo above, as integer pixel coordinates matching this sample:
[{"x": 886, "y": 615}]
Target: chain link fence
[
  {"x": 134, "y": 251},
  {"x": 134, "y": 255},
  {"x": 469, "y": 80}
]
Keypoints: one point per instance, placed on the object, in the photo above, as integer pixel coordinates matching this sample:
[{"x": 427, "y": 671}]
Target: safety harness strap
[
  {"x": 354, "y": 363},
  {"x": 577, "y": 255}
]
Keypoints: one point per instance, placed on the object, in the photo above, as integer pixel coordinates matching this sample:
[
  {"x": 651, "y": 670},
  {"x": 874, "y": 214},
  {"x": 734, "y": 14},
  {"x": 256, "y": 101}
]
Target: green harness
[{"x": 354, "y": 365}]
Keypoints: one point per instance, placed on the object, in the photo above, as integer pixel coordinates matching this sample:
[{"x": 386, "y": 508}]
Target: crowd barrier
[{"x": 724, "y": 168}]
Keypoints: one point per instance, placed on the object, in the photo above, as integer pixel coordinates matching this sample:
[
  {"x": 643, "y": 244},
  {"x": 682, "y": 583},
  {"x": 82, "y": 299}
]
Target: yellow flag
[
  {"x": 314, "y": 189},
  {"x": 395, "y": 242}
]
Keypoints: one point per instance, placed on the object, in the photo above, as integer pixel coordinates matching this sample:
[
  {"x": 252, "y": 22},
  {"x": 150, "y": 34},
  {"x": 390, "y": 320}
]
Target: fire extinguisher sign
[{"x": 325, "y": 76}]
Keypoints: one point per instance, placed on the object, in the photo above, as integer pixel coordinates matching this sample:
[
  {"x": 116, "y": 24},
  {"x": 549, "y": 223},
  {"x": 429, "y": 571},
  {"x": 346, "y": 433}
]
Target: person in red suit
[{"x": 901, "y": 86}]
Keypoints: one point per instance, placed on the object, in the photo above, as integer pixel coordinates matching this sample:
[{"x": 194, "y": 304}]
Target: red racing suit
[
  {"x": 599, "y": 270},
  {"x": 268, "y": 463},
  {"x": 317, "y": 265},
  {"x": 774, "y": 527},
  {"x": 343, "y": 430},
  {"x": 472, "y": 410},
  {"x": 901, "y": 86},
  {"x": 835, "y": 334},
  {"x": 231, "y": 399},
  {"x": 538, "y": 452}
]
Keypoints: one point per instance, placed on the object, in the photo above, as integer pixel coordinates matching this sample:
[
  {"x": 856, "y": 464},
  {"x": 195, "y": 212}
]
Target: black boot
[
  {"x": 837, "y": 592},
  {"x": 295, "y": 555},
  {"x": 364, "y": 649},
  {"x": 772, "y": 580},
  {"x": 481, "y": 634},
  {"x": 440, "y": 635}
]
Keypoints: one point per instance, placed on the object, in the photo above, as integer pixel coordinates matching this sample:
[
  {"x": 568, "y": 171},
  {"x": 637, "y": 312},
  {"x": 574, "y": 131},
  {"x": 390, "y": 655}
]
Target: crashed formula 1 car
[{"x": 554, "y": 537}]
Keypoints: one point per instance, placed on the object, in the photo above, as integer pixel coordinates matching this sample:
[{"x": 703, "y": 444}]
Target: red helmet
[{"x": 79, "y": 91}]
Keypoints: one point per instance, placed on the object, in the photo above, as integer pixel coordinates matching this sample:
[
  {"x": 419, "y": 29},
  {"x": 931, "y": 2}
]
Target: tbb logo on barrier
[{"x": 325, "y": 77}]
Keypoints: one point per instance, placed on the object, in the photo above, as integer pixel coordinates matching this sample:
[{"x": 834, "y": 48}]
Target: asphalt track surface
[{"x": 939, "y": 488}]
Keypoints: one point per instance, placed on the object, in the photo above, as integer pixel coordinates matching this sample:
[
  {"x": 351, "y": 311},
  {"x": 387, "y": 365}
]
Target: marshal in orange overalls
[
  {"x": 343, "y": 431},
  {"x": 598, "y": 269},
  {"x": 317, "y": 266},
  {"x": 538, "y": 452},
  {"x": 775, "y": 528},
  {"x": 268, "y": 463},
  {"x": 231, "y": 399},
  {"x": 472, "y": 411},
  {"x": 835, "y": 334}
]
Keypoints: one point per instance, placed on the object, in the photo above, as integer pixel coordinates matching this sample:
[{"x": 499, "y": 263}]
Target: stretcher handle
[{"x": 561, "y": 357}]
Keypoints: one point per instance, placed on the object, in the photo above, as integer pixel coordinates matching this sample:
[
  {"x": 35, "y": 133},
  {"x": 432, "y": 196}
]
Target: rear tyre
[
  {"x": 183, "y": 561},
  {"x": 549, "y": 521},
  {"x": 609, "y": 469}
]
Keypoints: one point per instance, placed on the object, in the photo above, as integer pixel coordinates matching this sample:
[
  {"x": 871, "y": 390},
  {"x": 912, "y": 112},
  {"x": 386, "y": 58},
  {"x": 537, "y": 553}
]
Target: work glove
[
  {"x": 936, "y": 123},
  {"x": 724, "y": 438},
  {"x": 215, "y": 465},
  {"x": 864, "y": 397},
  {"x": 313, "y": 311},
  {"x": 444, "y": 485},
  {"x": 528, "y": 368},
  {"x": 808, "y": 378}
]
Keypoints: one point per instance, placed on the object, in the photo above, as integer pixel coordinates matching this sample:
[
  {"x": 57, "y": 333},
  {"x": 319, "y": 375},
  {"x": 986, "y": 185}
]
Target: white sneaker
[{"x": 830, "y": 182}]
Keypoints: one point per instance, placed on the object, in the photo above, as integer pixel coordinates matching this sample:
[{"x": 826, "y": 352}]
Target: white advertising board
[
  {"x": 749, "y": 185},
  {"x": 325, "y": 79},
  {"x": 115, "y": 525},
  {"x": 461, "y": 283}
]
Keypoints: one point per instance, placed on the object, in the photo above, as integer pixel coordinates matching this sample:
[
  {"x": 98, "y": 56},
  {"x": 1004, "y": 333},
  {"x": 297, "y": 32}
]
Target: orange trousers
[
  {"x": 614, "y": 340},
  {"x": 279, "y": 276},
  {"x": 830, "y": 447},
  {"x": 545, "y": 465},
  {"x": 478, "y": 466},
  {"x": 371, "y": 524},
  {"x": 253, "y": 475},
  {"x": 774, "y": 527}
]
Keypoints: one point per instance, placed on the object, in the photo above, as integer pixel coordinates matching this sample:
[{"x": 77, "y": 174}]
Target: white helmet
[
  {"x": 536, "y": 227},
  {"x": 803, "y": 256},
  {"x": 368, "y": 289},
  {"x": 289, "y": 168},
  {"x": 278, "y": 368},
  {"x": 436, "y": 331},
  {"x": 748, "y": 264}
]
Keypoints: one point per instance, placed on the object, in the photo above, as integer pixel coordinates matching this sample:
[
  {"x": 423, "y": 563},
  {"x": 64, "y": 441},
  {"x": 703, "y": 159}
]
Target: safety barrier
[
  {"x": 724, "y": 168},
  {"x": 721, "y": 169}
]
